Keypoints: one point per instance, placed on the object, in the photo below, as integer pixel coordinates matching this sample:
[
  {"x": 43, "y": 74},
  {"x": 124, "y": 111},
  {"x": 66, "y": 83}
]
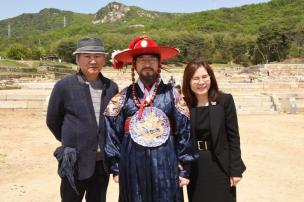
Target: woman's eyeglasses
[{"x": 197, "y": 79}]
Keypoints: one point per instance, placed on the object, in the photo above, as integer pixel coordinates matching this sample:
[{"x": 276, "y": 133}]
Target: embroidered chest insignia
[{"x": 152, "y": 130}]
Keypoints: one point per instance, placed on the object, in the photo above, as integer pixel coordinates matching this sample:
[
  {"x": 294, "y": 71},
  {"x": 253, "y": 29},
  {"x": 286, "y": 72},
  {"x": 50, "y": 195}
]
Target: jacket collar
[{"x": 82, "y": 79}]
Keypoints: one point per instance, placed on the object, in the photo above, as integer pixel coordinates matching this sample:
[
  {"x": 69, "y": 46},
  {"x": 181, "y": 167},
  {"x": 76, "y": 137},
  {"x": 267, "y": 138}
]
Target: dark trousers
[{"x": 94, "y": 188}]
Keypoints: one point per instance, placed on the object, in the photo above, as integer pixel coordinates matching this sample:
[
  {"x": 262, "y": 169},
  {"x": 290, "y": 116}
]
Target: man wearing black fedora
[{"x": 75, "y": 117}]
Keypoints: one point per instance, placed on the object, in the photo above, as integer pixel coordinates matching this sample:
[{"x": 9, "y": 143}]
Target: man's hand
[
  {"x": 183, "y": 181},
  {"x": 116, "y": 178},
  {"x": 234, "y": 181}
]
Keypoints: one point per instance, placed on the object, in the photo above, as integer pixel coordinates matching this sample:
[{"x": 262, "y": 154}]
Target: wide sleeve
[
  {"x": 114, "y": 121},
  {"x": 184, "y": 142},
  {"x": 237, "y": 167},
  {"x": 55, "y": 111}
]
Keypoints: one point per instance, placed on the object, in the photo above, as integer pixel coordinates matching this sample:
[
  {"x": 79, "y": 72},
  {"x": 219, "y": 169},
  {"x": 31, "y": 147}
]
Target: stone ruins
[{"x": 261, "y": 89}]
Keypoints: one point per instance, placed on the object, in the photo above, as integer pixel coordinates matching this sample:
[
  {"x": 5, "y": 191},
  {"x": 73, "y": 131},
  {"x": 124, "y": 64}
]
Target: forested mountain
[
  {"x": 248, "y": 34},
  {"x": 46, "y": 20}
]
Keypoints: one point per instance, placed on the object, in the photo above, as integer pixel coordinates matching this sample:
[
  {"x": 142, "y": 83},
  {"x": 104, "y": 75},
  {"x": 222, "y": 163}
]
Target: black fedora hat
[{"x": 90, "y": 45}]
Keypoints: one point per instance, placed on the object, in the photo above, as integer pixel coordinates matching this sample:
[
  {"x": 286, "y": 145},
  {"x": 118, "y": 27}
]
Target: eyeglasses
[
  {"x": 196, "y": 80},
  {"x": 146, "y": 60}
]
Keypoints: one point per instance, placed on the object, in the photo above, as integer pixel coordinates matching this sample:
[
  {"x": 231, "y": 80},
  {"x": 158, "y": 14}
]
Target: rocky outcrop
[
  {"x": 116, "y": 11},
  {"x": 112, "y": 12}
]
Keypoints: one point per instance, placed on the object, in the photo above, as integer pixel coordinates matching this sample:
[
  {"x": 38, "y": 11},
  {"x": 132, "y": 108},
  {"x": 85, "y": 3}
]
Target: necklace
[
  {"x": 135, "y": 99},
  {"x": 134, "y": 96}
]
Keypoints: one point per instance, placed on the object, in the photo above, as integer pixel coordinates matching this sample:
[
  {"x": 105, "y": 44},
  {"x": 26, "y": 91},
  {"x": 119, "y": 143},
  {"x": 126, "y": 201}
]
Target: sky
[{"x": 13, "y": 8}]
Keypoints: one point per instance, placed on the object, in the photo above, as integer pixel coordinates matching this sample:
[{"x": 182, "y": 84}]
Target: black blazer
[
  {"x": 225, "y": 138},
  {"x": 71, "y": 118}
]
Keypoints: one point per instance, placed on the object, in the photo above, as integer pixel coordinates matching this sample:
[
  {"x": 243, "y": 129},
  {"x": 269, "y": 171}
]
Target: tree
[
  {"x": 240, "y": 47},
  {"x": 37, "y": 52},
  {"x": 222, "y": 44},
  {"x": 115, "y": 41},
  {"x": 298, "y": 39},
  {"x": 65, "y": 51},
  {"x": 272, "y": 44},
  {"x": 18, "y": 52},
  {"x": 191, "y": 45}
]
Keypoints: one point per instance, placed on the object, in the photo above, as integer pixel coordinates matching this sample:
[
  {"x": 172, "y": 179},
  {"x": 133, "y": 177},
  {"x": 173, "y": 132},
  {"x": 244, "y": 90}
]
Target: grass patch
[
  {"x": 56, "y": 64},
  {"x": 12, "y": 63}
]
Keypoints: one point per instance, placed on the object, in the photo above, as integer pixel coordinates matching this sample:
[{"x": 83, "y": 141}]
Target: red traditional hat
[{"x": 139, "y": 46}]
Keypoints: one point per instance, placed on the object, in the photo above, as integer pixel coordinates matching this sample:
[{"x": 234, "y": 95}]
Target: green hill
[
  {"x": 49, "y": 19},
  {"x": 215, "y": 32}
]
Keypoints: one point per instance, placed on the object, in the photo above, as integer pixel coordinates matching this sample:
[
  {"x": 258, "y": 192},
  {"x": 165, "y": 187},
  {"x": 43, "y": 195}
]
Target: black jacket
[
  {"x": 225, "y": 138},
  {"x": 71, "y": 118}
]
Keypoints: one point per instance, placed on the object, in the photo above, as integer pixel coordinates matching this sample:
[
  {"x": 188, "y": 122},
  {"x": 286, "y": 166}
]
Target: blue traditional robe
[{"x": 149, "y": 174}]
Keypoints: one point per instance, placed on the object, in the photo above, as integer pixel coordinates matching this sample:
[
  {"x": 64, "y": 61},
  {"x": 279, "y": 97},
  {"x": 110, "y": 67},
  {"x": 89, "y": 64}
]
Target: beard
[{"x": 148, "y": 79}]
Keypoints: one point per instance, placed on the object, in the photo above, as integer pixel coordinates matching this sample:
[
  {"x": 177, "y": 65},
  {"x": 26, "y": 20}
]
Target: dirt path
[{"x": 272, "y": 148}]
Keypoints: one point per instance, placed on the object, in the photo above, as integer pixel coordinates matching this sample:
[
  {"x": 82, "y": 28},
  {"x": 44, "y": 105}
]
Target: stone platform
[{"x": 261, "y": 95}]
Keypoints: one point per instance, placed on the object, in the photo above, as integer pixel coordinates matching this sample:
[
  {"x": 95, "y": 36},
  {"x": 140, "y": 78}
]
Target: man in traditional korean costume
[{"x": 148, "y": 140}]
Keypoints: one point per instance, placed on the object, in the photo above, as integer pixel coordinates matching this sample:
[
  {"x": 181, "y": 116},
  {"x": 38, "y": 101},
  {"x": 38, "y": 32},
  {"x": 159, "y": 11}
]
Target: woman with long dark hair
[{"x": 215, "y": 127}]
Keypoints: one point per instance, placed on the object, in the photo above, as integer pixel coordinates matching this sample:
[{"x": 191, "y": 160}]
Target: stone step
[
  {"x": 254, "y": 104},
  {"x": 250, "y": 97},
  {"x": 246, "y": 102},
  {"x": 24, "y": 93},
  {"x": 22, "y": 104},
  {"x": 225, "y": 86},
  {"x": 243, "y": 86},
  {"x": 16, "y": 97},
  {"x": 23, "y": 98},
  {"x": 34, "y": 85},
  {"x": 251, "y": 112},
  {"x": 256, "y": 107}
]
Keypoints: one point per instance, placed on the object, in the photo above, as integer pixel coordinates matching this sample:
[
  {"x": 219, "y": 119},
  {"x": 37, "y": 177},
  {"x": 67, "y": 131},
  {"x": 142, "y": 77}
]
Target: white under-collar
[{"x": 145, "y": 91}]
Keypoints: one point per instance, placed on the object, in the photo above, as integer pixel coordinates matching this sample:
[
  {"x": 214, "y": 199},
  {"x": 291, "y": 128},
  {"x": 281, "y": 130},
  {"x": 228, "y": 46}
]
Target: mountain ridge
[
  {"x": 49, "y": 19},
  {"x": 117, "y": 24}
]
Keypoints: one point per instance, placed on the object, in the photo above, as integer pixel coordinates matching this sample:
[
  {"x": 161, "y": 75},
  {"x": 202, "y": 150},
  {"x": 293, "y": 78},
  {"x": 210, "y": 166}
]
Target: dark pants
[{"x": 94, "y": 188}]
